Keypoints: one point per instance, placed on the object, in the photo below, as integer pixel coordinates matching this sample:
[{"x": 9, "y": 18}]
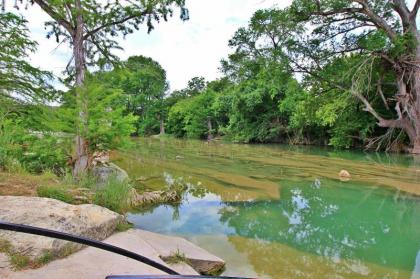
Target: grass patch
[
  {"x": 5, "y": 246},
  {"x": 44, "y": 259},
  {"x": 54, "y": 192},
  {"x": 68, "y": 249},
  {"x": 176, "y": 257},
  {"x": 114, "y": 195},
  {"x": 124, "y": 226},
  {"x": 19, "y": 261}
]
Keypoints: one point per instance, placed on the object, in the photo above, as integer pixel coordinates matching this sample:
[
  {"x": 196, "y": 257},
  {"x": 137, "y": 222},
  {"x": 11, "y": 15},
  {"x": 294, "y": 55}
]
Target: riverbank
[
  {"x": 115, "y": 194},
  {"x": 19, "y": 253}
]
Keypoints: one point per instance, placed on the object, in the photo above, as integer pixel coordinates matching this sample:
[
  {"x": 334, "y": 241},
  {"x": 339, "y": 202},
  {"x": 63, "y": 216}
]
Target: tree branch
[
  {"x": 111, "y": 23},
  {"x": 60, "y": 20},
  {"x": 403, "y": 11},
  {"x": 368, "y": 106},
  {"x": 381, "y": 93},
  {"x": 413, "y": 13},
  {"x": 377, "y": 20}
]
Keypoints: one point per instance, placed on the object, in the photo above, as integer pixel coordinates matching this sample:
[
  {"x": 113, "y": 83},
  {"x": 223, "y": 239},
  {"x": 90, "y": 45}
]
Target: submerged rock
[
  {"x": 344, "y": 175},
  {"x": 83, "y": 220}
]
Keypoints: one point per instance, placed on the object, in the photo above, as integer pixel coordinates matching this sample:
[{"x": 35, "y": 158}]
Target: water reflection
[
  {"x": 311, "y": 231},
  {"x": 343, "y": 232},
  {"x": 273, "y": 212}
]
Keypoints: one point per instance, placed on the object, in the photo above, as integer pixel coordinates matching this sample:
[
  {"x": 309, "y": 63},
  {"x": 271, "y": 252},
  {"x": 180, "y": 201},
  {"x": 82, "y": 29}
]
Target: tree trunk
[
  {"x": 210, "y": 129},
  {"x": 81, "y": 159},
  {"x": 162, "y": 127},
  {"x": 416, "y": 146},
  {"x": 408, "y": 96}
]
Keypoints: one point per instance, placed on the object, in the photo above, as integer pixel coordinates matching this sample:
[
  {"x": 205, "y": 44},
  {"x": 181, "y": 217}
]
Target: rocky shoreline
[{"x": 94, "y": 222}]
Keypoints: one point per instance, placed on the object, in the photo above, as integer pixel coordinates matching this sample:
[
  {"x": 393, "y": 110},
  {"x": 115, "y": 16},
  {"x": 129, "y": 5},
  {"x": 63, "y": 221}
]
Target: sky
[{"x": 184, "y": 49}]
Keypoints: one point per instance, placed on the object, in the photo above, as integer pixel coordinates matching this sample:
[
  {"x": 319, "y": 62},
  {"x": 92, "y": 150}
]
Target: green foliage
[
  {"x": 19, "y": 261},
  {"x": 54, "y": 192},
  {"x": 45, "y": 258},
  {"x": 5, "y": 246},
  {"x": 143, "y": 84},
  {"x": 19, "y": 80},
  {"x": 108, "y": 125},
  {"x": 124, "y": 226},
  {"x": 33, "y": 151},
  {"x": 26, "y": 141},
  {"x": 176, "y": 257},
  {"x": 255, "y": 116},
  {"x": 115, "y": 195},
  {"x": 190, "y": 117}
]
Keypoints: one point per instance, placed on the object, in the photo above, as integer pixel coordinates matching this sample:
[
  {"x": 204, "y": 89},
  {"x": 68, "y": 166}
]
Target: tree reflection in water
[{"x": 317, "y": 230}]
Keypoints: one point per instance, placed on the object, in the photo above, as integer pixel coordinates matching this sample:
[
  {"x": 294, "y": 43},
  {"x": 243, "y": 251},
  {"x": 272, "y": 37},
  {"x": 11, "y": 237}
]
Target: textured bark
[
  {"x": 407, "y": 70},
  {"x": 416, "y": 147},
  {"x": 162, "y": 127},
  {"x": 81, "y": 159}
]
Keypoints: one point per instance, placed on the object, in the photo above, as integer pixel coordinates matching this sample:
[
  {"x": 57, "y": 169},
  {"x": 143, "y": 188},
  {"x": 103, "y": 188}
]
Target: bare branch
[
  {"x": 381, "y": 93},
  {"x": 414, "y": 11},
  {"x": 57, "y": 17},
  {"x": 368, "y": 106}
]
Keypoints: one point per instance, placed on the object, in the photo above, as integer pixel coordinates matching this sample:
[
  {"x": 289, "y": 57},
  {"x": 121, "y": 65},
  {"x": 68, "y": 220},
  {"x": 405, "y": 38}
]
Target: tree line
[{"x": 342, "y": 73}]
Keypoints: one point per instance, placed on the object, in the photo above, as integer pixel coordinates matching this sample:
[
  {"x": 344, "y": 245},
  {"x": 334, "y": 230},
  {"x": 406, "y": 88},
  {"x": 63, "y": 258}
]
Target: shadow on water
[{"x": 274, "y": 212}]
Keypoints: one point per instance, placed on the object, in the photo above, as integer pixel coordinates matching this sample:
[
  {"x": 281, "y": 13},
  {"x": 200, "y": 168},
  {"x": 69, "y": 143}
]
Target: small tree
[
  {"x": 89, "y": 26},
  {"x": 18, "y": 79},
  {"x": 109, "y": 126}
]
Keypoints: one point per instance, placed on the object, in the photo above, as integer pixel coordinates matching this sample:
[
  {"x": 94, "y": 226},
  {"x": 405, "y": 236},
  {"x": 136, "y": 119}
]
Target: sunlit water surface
[{"x": 275, "y": 211}]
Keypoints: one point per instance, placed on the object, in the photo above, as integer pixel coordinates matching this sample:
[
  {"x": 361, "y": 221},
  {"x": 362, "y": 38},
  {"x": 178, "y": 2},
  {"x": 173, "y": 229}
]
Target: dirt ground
[{"x": 12, "y": 184}]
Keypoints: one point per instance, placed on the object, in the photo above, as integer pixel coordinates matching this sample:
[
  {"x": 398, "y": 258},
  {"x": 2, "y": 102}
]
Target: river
[{"x": 274, "y": 211}]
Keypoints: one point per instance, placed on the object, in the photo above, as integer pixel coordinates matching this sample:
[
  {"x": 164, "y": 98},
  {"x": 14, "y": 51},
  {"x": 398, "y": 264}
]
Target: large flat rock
[
  {"x": 83, "y": 220},
  {"x": 97, "y": 223},
  {"x": 201, "y": 260},
  {"x": 92, "y": 263}
]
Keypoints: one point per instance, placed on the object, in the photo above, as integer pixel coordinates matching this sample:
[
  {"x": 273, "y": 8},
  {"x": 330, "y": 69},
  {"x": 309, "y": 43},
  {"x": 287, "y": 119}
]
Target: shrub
[
  {"x": 124, "y": 226},
  {"x": 114, "y": 196},
  {"x": 54, "y": 192},
  {"x": 23, "y": 149}
]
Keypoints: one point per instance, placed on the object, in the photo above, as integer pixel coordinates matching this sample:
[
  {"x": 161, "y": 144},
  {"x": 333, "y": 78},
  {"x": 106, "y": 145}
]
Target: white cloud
[{"x": 184, "y": 49}]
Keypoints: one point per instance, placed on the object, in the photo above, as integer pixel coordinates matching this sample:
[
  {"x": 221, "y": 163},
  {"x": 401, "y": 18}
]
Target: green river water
[{"x": 273, "y": 211}]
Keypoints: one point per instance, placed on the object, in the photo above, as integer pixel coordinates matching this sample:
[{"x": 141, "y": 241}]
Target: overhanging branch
[
  {"x": 59, "y": 19},
  {"x": 111, "y": 23}
]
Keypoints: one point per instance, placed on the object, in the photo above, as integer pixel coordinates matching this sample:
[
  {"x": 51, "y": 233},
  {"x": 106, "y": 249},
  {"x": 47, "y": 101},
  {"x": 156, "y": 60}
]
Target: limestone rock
[
  {"x": 198, "y": 258},
  {"x": 83, "y": 220},
  {"x": 344, "y": 175},
  {"x": 135, "y": 199},
  {"x": 104, "y": 172},
  {"x": 92, "y": 263}
]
